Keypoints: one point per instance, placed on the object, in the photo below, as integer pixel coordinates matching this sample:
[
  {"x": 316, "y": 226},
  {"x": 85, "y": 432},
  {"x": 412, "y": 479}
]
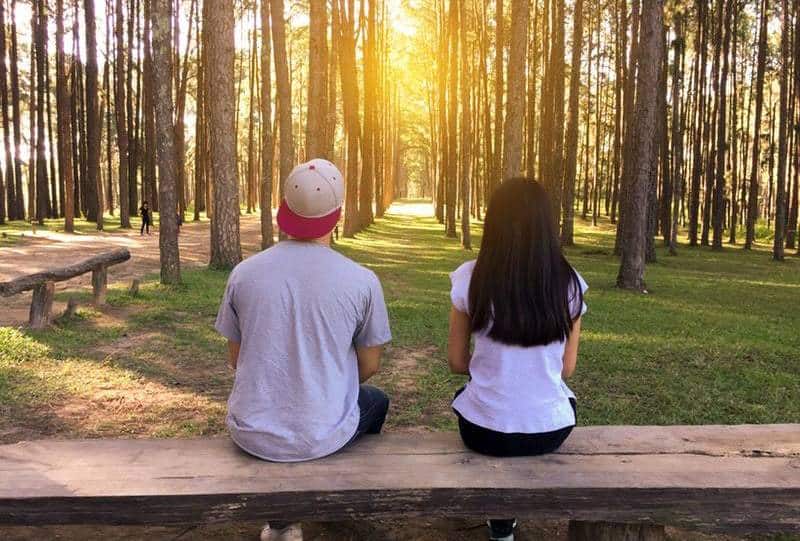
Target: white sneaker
[{"x": 293, "y": 532}]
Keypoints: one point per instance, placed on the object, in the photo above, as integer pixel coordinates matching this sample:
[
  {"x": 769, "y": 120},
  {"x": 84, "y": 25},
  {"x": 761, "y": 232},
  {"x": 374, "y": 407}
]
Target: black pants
[
  {"x": 145, "y": 225},
  {"x": 490, "y": 442}
]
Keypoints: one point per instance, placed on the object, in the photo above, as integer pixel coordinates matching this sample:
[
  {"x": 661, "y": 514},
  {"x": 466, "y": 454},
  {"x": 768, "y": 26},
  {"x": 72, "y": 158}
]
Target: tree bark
[
  {"x": 571, "y": 151},
  {"x": 631, "y": 272},
  {"x": 120, "y": 102},
  {"x": 93, "y": 123},
  {"x": 349, "y": 81},
  {"x": 284, "y": 87},
  {"x": 317, "y": 117},
  {"x": 165, "y": 143},
  {"x": 265, "y": 185},
  {"x": 719, "y": 187},
  {"x": 226, "y": 251},
  {"x": 783, "y": 126},
  {"x": 515, "y": 108},
  {"x": 9, "y": 195}
]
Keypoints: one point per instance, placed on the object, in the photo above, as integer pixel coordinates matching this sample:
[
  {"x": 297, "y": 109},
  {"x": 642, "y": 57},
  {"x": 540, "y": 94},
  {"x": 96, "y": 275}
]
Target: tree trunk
[
  {"x": 499, "y": 92},
  {"x": 366, "y": 189},
  {"x": 466, "y": 131},
  {"x": 120, "y": 101},
  {"x": 226, "y": 251},
  {"x": 677, "y": 131},
  {"x": 167, "y": 160},
  {"x": 42, "y": 190},
  {"x": 317, "y": 117},
  {"x": 284, "y": 87},
  {"x": 515, "y": 108},
  {"x": 571, "y": 150},
  {"x": 10, "y": 198},
  {"x": 719, "y": 187},
  {"x": 265, "y": 185},
  {"x": 19, "y": 203},
  {"x": 93, "y": 123},
  {"x": 783, "y": 126},
  {"x": 631, "y": 272},
  {"x": 349, "y": 81}
]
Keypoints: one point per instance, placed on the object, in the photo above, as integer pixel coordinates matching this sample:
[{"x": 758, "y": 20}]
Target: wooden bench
[
  {"x": 43, "y": 283},
  {"x": 716, "y": 478}
]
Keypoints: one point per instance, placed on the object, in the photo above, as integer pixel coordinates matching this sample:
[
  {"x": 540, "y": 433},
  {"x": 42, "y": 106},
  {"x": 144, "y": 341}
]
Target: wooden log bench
[
  {"x": 43, "y": 283},
  {"x": 612, "y": 482}
]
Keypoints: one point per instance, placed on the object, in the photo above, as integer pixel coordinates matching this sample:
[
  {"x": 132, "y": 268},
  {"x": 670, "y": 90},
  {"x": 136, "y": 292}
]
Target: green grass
[{"x": 716, "y": 341}]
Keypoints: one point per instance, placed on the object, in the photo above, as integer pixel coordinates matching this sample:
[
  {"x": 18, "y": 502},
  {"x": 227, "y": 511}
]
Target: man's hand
[{"x": 233, "y": 353}]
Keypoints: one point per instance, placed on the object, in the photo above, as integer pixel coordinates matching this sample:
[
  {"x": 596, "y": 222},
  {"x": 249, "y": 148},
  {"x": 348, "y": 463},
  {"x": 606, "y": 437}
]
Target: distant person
[
  {"x": 522, "y": 303},
  {"x": 147, "y": 218},
  {"x": 306, "y": 328},
  {"x": 179, "y": 221}
]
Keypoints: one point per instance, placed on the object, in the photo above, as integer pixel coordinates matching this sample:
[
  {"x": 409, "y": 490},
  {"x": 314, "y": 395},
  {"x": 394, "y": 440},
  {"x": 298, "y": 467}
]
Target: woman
[
  {"x": 147, "y": 219},
  {"x": 522, "y": 303}
]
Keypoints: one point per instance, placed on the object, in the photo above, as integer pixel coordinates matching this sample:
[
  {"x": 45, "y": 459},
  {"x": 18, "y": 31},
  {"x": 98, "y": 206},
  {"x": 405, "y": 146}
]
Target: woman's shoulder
[{"x": 463, "y": 271}]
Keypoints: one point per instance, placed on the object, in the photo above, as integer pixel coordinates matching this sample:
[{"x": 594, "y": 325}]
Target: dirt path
[{"x": 48, "y": 249}]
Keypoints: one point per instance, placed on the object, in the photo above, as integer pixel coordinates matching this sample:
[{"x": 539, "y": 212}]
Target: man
[{"x": 305, "y": 327}]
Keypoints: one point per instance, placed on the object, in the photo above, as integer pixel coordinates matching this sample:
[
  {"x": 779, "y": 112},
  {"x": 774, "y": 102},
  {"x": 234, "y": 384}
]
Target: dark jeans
[
  {"x": 145, "y": 225},
  {"x": 490, "y": 442},
  {"x": 373, "y": 405}
]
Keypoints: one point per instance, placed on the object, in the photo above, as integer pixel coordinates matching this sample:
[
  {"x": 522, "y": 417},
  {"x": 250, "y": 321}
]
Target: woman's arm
[
  {"x": 458, "y": 342},
  {"x": 571, "y": 350}
]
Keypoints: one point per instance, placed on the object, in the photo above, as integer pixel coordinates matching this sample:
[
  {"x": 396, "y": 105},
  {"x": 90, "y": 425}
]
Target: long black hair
[{"x": 522, "y": 284}]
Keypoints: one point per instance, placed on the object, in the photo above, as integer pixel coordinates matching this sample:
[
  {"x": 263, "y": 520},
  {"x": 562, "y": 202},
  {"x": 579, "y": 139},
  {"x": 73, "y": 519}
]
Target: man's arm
[
  {"x": 233, "y": 353},
  {"x": 369, "y": 360}
]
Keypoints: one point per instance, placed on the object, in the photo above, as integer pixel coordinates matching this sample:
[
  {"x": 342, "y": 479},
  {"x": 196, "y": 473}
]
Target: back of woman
[{"x": 521, "y": 303}]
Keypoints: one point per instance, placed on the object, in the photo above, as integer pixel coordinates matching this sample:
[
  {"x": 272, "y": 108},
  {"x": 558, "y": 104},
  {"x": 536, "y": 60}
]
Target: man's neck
[{"x": 324, "y": 241}]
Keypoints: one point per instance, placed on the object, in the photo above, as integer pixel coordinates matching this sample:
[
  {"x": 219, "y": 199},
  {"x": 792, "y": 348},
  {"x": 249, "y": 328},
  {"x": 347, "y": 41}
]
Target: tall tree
[
  {"x": 120, "y": 103},
  {"x": 367, "y": 187},
  {"x": 499, "y": 92},
  {"x": 349, "y": 81},
  {"x": 226, "y": 250},
  {"x": 167, "y": 160},
  {"x": 571, "y": 150},
  {"x": 94, "y": 181},
  {"x": 651, "y": 49},
  {"x": 719, "y": 186},
  {"x": 6, "y": 118},
  {"x": 515, "y": 108},
  {"x": 317, "y": 117},
  {"x": 19, "y": 204},
  {"x": 284, "y": 87},
  {"x": 466, "y": 129},
  {"x": 783, "y": 126},
  {"x": 677, "y": 129},
  {"x": 265, "y": 185},
  {"x": 42, "y": 190}
]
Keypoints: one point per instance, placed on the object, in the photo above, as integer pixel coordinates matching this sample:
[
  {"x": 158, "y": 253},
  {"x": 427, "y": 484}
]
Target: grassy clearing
[{"x": 715, "y": 342}]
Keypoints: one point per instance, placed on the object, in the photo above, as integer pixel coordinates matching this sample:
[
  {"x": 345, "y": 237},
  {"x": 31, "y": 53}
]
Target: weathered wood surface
[
  {"x": 29, "y": 281},
  {"x": 717, "y": 478},
  {"x": 608, "y": 531},
  {"x": 41, "y": 305},
  {"x": 99, "y": 284}
]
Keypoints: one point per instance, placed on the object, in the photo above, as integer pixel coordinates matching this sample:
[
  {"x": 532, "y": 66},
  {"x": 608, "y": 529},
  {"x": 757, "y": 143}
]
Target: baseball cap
[{"x": 313, "y": 195}]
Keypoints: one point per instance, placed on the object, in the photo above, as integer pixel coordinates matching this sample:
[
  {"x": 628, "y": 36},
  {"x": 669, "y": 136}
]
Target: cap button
[{"x": 312, "y": 167}]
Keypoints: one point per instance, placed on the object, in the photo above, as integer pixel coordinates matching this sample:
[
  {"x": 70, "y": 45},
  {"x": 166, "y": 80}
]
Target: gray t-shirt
[{"x": 299, "y": 310}]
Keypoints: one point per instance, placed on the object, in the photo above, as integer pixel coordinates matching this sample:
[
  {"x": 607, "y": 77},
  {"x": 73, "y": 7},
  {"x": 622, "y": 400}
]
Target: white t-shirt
[{"x": 513, "y": 389}]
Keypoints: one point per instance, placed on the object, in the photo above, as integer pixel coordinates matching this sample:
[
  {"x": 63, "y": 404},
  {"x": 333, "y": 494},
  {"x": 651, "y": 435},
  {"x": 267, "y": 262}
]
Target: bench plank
[
  {"x": 718, "y": 478},
  {"x": 29, "y": 281}
]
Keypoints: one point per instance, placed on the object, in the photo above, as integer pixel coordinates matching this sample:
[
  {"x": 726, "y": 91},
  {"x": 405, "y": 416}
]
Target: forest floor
[{"x": 715, "y": 341}]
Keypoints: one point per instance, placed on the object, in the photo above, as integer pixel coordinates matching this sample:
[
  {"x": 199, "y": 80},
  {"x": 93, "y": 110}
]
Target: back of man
[
  {"x": 299, "y": 311},
  {"x": 305, "y": 326}
]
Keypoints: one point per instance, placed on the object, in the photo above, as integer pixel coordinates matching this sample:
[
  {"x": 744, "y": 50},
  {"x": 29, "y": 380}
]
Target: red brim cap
[{"x": 300, "y": 227}]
